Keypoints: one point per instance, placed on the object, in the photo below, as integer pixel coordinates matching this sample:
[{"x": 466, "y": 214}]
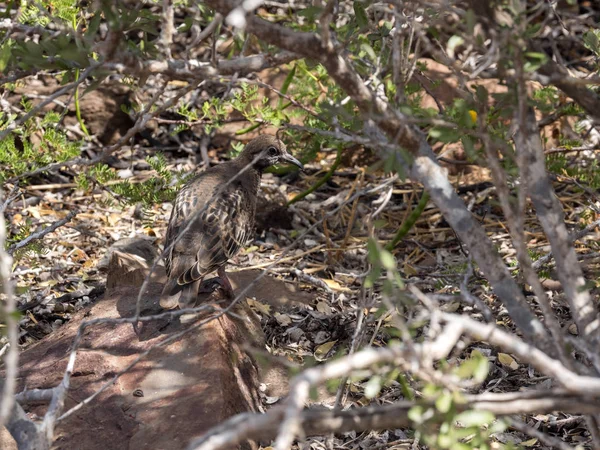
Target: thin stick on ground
[{"x": 40, "y": 234}]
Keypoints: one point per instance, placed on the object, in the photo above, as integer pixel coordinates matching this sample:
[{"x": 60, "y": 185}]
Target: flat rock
[{"x": 188, "y": 383}]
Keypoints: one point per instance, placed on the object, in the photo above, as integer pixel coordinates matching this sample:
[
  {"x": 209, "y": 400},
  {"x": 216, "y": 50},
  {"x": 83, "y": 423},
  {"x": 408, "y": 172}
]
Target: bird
[{"x": 213, "y": 218}]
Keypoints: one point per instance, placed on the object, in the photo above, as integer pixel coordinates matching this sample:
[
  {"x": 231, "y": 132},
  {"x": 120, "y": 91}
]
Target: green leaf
[
  {"x": 444, "y": 402},
  {"x": 407, "y": 391},
  {"x": 453, "y": 42},
  {"x": 387, "y": 260},
  {"x": 366, "y": 47},
  {"x": 471, "y": 20},
  {"x": 373, "y": 387},
  {"x": 361, "y": 15},
  {"x": 311, "y": 12},
  {"x": 532, "y": 30},
  {"x": 380, "y": 223},
  {"x": 534, "y": 61},
  {"x": 333, "y": 385},
  {"x": 373, "y": 251},
  {"x": 248, "y": 129},
  {"x": 482, "y": 95},
  {"x": 93, "y": 26},
  {"x": 474, "y": 418},
  {"x": 286, "y": 85},
  {"x": 460, "y": 446},
  {"x": 445, "y": 441},
  {"x": 288, "y": 80},
  {"x": 591, "y": 39},
  {"x": 476, "y": 366},
  {"x": 469, "y": 146},
  {"x": 415, "y": 414},
  {"x": 5, "y": 53},
  {"x": 444, "y": 134}
]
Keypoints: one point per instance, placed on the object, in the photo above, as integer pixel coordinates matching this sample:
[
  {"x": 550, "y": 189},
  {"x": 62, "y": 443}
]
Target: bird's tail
[{"x": 184, "y": 295}]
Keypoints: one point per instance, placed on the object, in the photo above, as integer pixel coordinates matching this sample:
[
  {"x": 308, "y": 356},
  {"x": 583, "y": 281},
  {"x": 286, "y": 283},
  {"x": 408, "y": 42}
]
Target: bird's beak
[{"x": 290, "y": 159}]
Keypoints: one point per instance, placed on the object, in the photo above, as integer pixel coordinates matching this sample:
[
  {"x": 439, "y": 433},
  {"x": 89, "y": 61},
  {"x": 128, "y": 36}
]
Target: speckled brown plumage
[{"x": 213, "y": 217}]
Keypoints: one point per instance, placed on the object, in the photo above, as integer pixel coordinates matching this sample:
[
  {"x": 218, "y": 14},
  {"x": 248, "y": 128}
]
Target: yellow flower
[{"x": 473, "y": 115}]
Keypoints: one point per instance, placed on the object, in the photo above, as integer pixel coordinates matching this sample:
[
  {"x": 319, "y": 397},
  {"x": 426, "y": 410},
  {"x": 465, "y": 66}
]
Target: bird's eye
[{"x": 272, "y": 151}]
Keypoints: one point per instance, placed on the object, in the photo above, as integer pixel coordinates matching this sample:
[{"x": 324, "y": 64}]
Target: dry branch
[
  {"x": 576, "y": 88},
  {"x": 40, "y": 234},
  {"x": 318, "y": 422},
  {"x": 550, "y": 213}
]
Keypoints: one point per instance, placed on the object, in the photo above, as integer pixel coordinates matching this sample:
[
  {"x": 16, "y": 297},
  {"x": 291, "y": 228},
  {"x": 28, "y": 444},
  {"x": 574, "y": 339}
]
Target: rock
[
  {"x": 137, "y": 246},
  {"x": 189, "y": 382}
]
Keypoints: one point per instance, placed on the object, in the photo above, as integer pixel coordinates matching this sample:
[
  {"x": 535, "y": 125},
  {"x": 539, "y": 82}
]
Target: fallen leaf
[
  {"x": 113, "y": 219},
  {"x": 324, "y": 308},
  {"x": 450, "y": 307},
  {"x": 409, "y": 270},
  {"x": 258, "y": 306},
  {"x": 335, "y": 285},
  {"x": 508, "y": 361},
  {"x": 573, "y": 329},
  {"x": 180, "y": 83},
  {"x": 529, "y": 443},
  {"x": 33, "y": 212},
  {"x": 363, "y": 401},
  {"x": 283, "y": 319},
  {"x": 78, "y": 255},
  {"x": 322, "y": 350}
]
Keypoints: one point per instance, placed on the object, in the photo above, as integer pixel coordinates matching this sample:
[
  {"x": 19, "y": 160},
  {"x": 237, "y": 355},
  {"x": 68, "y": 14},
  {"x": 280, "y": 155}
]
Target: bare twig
[
  {"x": 26, "y": 433},
  {"x": 576, "y": 88},
  {"x": 579, "y": 384},
  {"x": 551, "y": 217},
  {"x": 472, "y": 299},
  {"x": 291, "y": 426},
  {"x": 208, "y": 30},
  {"x": 516, "y": 218},
  {"x": 34, "y": 396},
  {"x": 538, "y": 264},
  {"x": 12, "y": 195},
  {"x": 166, "y": 33},
  {"x": 318, "y": 422},
  {"x": 237, "y": 16},
  {"x": 40, "y": 234}
]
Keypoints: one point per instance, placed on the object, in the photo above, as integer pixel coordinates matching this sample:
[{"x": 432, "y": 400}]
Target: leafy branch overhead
[{"x": 444, "y": 231}]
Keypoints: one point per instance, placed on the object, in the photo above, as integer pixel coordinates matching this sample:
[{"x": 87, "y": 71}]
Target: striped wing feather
[{"x": 220, "y": 229}]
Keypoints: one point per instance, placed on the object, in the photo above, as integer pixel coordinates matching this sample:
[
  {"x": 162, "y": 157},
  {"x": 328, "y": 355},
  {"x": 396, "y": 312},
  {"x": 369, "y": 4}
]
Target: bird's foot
[
  {"x": 227, "y": 287},
  {"x": 210, "y": 285}
]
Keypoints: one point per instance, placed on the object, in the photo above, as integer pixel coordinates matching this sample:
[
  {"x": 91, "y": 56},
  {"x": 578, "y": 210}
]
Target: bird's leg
[
  {"x": 226, "y": 283},
  {"x": 210, "y": 285}
]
